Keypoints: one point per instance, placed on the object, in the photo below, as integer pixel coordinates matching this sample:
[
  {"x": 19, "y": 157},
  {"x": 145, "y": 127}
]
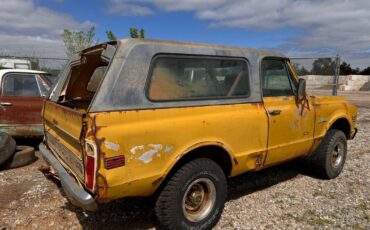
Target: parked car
[
  {"x": 174, "y": 120},
  {"x": 21, "y": 99}
]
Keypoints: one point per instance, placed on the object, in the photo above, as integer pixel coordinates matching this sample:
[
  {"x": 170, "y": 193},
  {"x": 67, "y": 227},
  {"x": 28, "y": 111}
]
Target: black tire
[
  {"x": 24, "y": 155},
  {"x": 323, "y": 162},
  {"x": 7, "y": 147},
  {"x": 170, "y": 206}
]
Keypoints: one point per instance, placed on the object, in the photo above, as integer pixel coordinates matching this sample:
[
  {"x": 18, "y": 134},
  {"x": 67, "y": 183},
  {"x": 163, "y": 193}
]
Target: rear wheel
[
  {"x": 328, "y": 160},
  {"x": 194, "y": 197}
]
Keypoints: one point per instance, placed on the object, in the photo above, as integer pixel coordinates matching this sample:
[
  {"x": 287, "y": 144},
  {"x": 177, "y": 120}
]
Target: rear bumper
[{"x": 76, "y": 194}]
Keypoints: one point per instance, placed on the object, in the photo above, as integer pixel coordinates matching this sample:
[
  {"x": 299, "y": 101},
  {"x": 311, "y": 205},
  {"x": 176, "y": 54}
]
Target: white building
[{"x": 14, "y": 63}]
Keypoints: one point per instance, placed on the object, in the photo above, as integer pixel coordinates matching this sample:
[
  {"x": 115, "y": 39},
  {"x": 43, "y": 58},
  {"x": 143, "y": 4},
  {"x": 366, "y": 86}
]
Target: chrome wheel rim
[
  {"x": 337, "y": 155},
  {"x": 199, "y": 199}
]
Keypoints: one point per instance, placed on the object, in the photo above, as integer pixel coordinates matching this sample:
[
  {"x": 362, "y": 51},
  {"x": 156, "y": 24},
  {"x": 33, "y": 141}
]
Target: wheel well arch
[
  {"x": 214, "y": 152},
  {"x": 343, "y": 125}
]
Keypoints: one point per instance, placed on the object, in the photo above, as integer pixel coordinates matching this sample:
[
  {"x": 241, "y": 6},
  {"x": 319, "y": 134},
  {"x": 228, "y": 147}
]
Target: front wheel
[{"x": 194, "y": 197}]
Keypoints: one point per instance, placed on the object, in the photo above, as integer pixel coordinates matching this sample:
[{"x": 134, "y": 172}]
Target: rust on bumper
[{"x": 23, "y": 130}]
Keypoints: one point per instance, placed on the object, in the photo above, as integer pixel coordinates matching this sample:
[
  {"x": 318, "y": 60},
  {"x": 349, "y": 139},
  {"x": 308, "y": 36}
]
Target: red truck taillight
[{"x": 90, "y": 165}]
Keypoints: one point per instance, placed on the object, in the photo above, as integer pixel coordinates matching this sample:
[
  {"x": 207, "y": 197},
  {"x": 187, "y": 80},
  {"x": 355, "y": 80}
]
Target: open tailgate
[{"x": 63, "y": 127}]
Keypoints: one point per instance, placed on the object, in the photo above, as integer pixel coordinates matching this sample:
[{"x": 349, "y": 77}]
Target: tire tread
[
  {"x": 318, "y": 160},
  {"x": 163, "y": 205}
]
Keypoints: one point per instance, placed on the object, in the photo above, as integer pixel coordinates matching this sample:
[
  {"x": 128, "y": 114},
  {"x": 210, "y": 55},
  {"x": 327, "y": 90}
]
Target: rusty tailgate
[{"x": 63, "y": 128}]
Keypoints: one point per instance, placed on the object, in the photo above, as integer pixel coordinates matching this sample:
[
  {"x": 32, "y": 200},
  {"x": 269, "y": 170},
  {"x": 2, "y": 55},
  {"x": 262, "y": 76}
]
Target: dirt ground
[{"x": 283, "y": 197}]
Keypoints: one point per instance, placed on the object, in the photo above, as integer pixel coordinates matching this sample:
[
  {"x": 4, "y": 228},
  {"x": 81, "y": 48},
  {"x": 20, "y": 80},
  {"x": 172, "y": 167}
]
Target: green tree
[
  {"x": 142, "y": 33},
  {"x": 300, "y": 69},
  {"x": 111, "y": 36},
  {"x": 75, "y": 41},
  {"x": 366, "y": 71},
  {"x": 35, "y": 63},
  {"x": 323, "y": 66},
  {"x": 134, "y": 33},
  {"x": 346, "y": 69}
]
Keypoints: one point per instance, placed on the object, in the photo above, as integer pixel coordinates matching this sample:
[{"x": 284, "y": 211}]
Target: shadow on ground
[
  {"x": 138, "y": 213},
  {"x": 34, "y": 142}
]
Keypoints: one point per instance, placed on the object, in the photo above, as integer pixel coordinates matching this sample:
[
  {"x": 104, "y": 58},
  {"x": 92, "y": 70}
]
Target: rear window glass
[{"x": 185, "y": 78}]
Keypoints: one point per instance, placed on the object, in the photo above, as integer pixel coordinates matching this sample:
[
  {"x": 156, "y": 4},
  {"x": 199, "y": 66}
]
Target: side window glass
[
  {"x": 276, "y": 80},
  {"x": 292, "y": 78},
  {"x": 20, "y": 85},
  {"x": 96, "y": 78},
  {"x": 176, "y": 78}
]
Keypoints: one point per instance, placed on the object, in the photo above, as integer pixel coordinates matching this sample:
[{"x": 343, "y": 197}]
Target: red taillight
[
  {"x": 90, "y": 165},
  {"x": 90, "y": 172},
  {"x": 114, "y": 162}
]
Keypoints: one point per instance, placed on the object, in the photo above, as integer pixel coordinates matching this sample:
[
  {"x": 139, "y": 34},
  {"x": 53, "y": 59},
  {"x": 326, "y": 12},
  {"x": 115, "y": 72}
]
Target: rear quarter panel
[{"x": 154, "y": 140}]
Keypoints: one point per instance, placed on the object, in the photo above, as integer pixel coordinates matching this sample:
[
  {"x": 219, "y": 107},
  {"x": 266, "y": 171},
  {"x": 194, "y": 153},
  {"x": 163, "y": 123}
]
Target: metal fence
[
  {"x": 321, "y": 73},
  {"x": 52, "y": 65}
]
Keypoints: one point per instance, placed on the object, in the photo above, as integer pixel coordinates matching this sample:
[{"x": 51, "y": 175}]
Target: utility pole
[{"x": 336, "y": 75}]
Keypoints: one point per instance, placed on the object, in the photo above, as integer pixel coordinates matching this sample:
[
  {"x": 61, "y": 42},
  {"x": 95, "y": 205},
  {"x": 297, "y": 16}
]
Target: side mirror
[{"x": 301, "y": 89}]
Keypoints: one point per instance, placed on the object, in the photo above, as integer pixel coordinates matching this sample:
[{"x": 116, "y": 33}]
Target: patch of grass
[
  {"x": 358, "y": 227},
  {"x": 317, "y": 193},
  {"x": 319, "y": 221},
  {"x": 279, "y": 202},
  {"x": 364, "y": 209},
  {"x": 275, "y": 195},
  {"x": 310, "y": 217},
  {"x": 289, "y": 215}
]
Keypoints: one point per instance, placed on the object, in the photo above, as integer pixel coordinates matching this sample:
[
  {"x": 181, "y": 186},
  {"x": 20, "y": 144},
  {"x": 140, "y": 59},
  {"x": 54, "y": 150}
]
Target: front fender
[{"x": 330, "y": 110}]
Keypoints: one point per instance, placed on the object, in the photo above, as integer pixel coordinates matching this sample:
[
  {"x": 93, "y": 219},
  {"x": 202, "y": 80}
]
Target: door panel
[
  {"x": 22, "y": 110},
  {"x": 290, "y": 130},
  {"x": 291, "y": 123},
  {"x": 21, "y": 100}
]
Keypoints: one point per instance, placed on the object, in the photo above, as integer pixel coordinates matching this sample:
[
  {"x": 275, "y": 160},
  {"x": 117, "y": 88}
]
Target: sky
[{"x": 293, "y": 27}]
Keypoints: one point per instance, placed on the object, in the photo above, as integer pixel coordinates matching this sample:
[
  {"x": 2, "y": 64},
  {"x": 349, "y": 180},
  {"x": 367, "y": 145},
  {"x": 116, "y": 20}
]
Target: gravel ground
[{"x": 283, "y": 197}]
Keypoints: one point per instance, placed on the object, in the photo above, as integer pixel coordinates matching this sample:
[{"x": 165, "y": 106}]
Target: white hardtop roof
[{"x": 5, "y": 71}]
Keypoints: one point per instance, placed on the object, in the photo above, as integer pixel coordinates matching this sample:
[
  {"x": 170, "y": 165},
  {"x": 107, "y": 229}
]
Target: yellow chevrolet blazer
[{"x": 174, "y": 120}]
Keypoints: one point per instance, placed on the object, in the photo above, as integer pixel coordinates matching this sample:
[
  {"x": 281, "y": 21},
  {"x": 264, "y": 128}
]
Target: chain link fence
[
  {"x": 321, "y": 73},
  {"x": 52, "y": 65},
  {"x": 323, "y": 76}
]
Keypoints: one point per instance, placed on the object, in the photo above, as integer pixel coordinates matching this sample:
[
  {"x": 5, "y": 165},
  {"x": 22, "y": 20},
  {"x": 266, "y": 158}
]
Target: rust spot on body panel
[
  {"x": 55, "y": 122},
  {"x": 260, "y": 160}
]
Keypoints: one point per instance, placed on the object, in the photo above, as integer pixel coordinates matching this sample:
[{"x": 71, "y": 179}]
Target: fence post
[{"x": 336, "y": 75}]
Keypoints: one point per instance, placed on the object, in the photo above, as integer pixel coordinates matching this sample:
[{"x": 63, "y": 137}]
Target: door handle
[
  {"x": 6, "y": 104},
  {"x": 274, "y": 112}
]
